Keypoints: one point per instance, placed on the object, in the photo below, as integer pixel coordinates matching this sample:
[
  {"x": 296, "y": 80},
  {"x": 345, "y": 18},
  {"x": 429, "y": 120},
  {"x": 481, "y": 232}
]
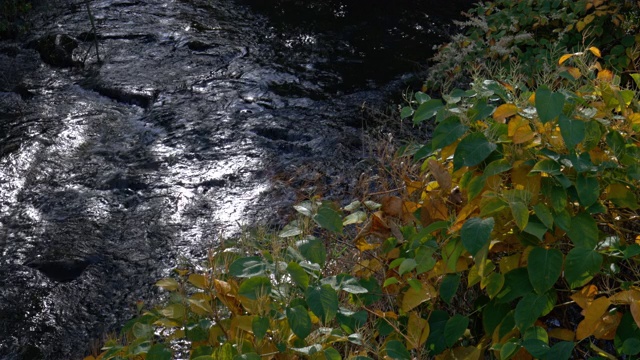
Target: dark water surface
[{"x": 175, "y": 140}]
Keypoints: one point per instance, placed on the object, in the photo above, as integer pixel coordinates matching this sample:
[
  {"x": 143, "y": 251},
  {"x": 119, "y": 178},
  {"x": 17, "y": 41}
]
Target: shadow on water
[{"x": 112, "y": 173}]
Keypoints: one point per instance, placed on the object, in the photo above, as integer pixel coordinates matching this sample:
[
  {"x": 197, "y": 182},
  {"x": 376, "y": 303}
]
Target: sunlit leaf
[
  {"x": 168, "y": 284},
  {"x": 504, "y": 111},
  {"x": 544, "y": 268},
  {"x": 472, "y": 150},
  {"x": 564, "y": 58},
  {"x": 355, "y": 218}
]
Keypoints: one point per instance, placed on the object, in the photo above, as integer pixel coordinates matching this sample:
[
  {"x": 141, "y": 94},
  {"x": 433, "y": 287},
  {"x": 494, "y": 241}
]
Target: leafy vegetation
[
  {"x": 12, "y": 13},
  {"x": 527, "y": 36},
  {"x": 511, "y": 234}
]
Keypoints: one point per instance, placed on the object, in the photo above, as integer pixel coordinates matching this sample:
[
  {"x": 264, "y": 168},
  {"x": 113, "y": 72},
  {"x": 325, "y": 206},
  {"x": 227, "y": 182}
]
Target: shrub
[{"x": 532, "y": 34}]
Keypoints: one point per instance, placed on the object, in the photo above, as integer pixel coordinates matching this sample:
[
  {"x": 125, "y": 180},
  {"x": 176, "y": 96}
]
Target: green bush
[{"x": 530, "y": 35}]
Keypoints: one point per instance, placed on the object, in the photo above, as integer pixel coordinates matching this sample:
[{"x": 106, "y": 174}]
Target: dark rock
[
  {"x": 65, "y": 270},
  {"x": 57, "y": 49}
]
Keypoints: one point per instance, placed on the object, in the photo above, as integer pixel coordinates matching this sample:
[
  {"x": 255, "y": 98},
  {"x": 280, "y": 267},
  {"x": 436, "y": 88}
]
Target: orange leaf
[
  {"x": 520, "y": 130},
  {"x": 504, "y": 111},
  {"x": 392, "y": 206},
  {"x": 625, "y": 297},
  {"x": 564, "y": 58},
  {"x": 562, "y": 334},
  {"x": 412, "y": 186},
  {"x": 605, "y": 75},
  {"x": 466, "y": 211},
  {"x": 635, "y": 312},
  {"x": 595, "y": 51},
  {"x": 592, "y": 317},
  {"x": 607, "y": 326},
  {"x": 585, "y": 296}
]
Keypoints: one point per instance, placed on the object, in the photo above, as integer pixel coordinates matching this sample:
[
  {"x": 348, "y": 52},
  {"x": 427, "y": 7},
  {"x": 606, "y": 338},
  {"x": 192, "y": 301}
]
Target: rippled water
[{"x": 202, "y": 116}]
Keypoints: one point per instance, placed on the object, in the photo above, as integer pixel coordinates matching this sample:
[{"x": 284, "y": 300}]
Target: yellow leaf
[
  {"x": 585, "y": 296},
  {"x": 509, "y": 263},
  {"x": 412, "y": 186},
  {"x": 595, "y": 51},
  {"x": 466, "y": 211},
  {"x": 173, "y": 311},
  {"x": 634, "y": 118},
  {"x": 588, "y": 20},
  {"x": 167, "y": 323},
  {"x": 520, "y": 130},
  {"x": 168, "y": 284},
  {"x": 605, "y": 75},
  {"x": 562, "y": 334},
  {"x": 242, "y": 322},
  {"x": 574, "y": 72},
  {"x": 417, "y": 331},
  {"x": 414, "y": 297},
  {"x": 564, "y": 58},
  {"x": 532, "y": 99},
  {"x": 363, "y": 245},
  {"x": 626, "y": 297},
  {"x": 199, "y": 281},
  {"x": 504, "y": 111},
  {"x": 607, "y": 325},
  {"x": 592, "y": 317},
  {"x": 90, "y": 357},
  {"x": 441, "y": 175},
  {"x": 580, "y": 25}
]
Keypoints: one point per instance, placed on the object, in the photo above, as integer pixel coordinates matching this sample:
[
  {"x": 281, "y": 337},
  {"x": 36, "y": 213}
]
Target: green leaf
[
  {"x": 583, "y": 231},
  {"x": 448, "y": 132},
  {"x": 159, "y": 352},
  {"x": 494, "y": 284},
  {"x": 355, "y": 218},
  {"x": 516, "y": 284},
  {"x": 493, "y": 314},
  {"x": 424, "y": 258},
  {"x": 298, "y": 275},
  {"x": 588, "y": 189},
  {"x": 544, "y": 268},
  {"x": 449, "y": 287},
  {"x": 421, "y": 97},
  {"x": 520, "y": 212},
  {"x": 248, "y": 267},
  {"x": 572, "y": 131},
  {"x": 546, "y": 166},
  {"x": 427, "y": 110},
  {"x": 255, "y": 287},
  {"x": 529, "y": 308},
  {"x": 406, "y": 112},
  {"x": 560, "y": 351},
  {"x": 396, "y": 350},
  {"x": 299, "y": 321},
  {"x": 455, "y": 328},
  {"x": 472, "y": 150},
  {"x": 536, "y": 347},
  {"x": 323, "y": 301},
  {"x": 481, "y": 110},
  {"x": 616, "y": 142},
  {"x": 291, "y": 229},
  {"x": 436, "y": 340},
  {"x": 247, "y": 356},
  {"x": 548, "y": 104},
  {"x": 581, "y": 265},
  {"x": 260, "y": 326},
  {"x": 407, "y": 265},
  {"x": 331, "y": 354},
  {"x": 497, "y": 167},
  {"x": 313, "y": 250},
  {"x": 476, "y": 233},
  {"x": 631, "y": 346},
  {"x": 328, "y": 219},
  {"x": 509, "y": 349},
  {"x": 544, "y": 214}
]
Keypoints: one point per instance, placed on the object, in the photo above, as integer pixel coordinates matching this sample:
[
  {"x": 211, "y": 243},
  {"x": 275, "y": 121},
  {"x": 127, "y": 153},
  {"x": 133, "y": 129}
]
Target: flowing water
[{"x": 201, "y": 116}]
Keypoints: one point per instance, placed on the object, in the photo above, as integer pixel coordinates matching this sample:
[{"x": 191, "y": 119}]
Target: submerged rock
[{"x": 64, "y": 270}]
